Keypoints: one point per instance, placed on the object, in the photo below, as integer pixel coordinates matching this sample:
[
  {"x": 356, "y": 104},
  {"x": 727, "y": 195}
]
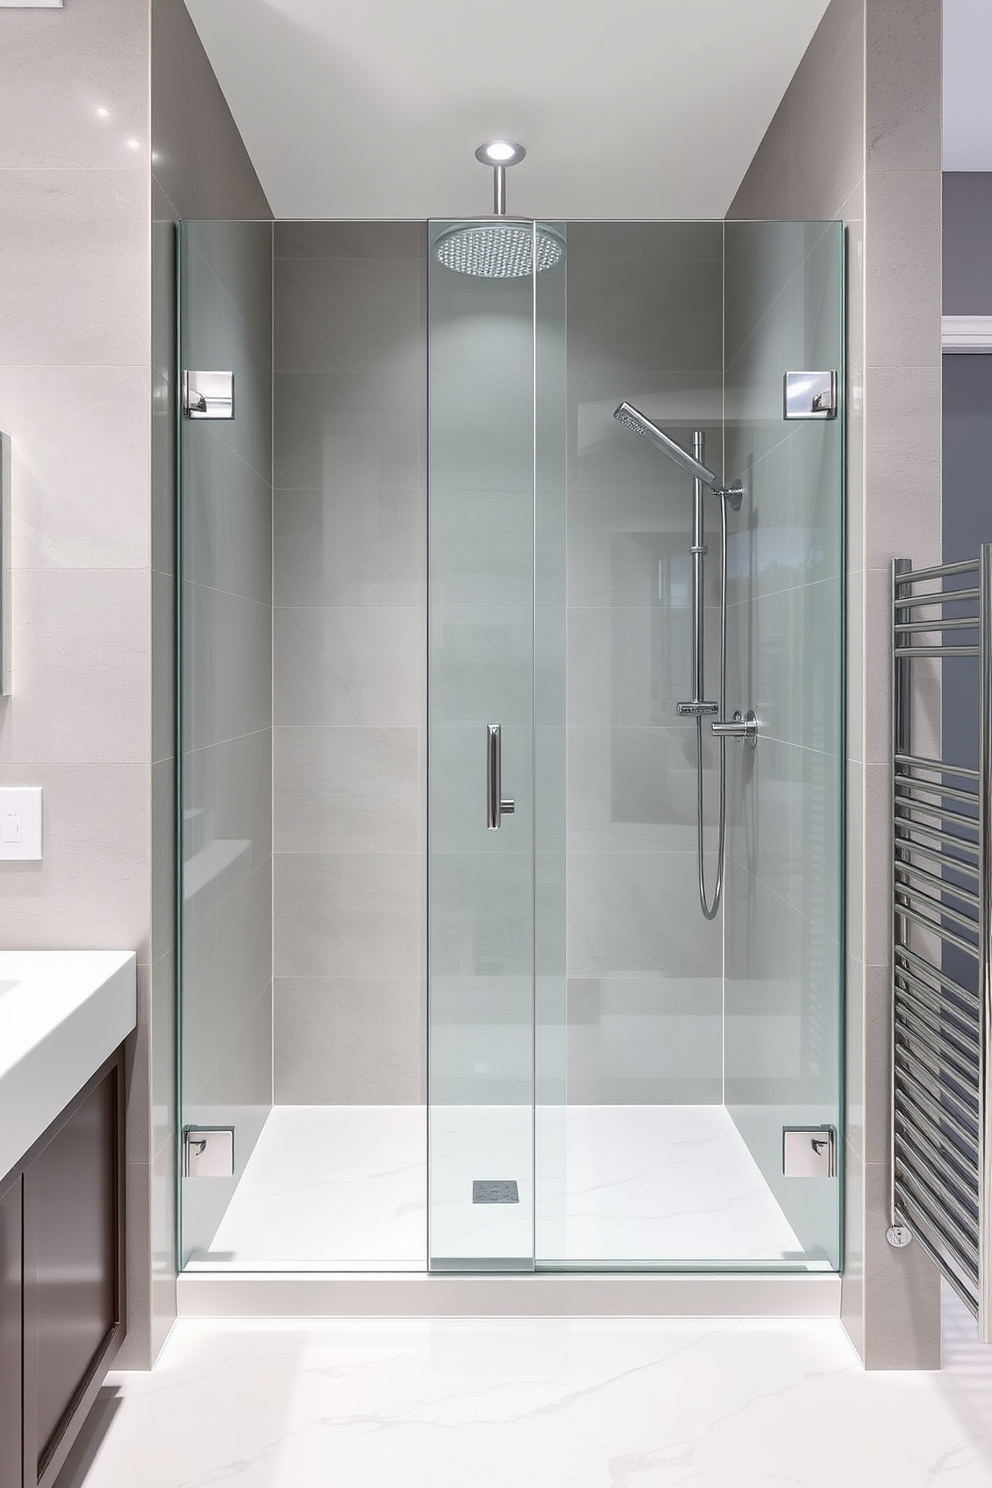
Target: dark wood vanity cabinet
[
  {"x": 11, "y": 1332},
  {"x": 62, "y": 1279}
]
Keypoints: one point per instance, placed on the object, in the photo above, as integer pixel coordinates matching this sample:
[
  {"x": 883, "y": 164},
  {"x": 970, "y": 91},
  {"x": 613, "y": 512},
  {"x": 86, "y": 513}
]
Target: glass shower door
[{"x": 481, "y": 769}]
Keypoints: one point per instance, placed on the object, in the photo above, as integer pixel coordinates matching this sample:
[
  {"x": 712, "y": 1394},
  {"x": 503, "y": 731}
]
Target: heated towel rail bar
[{"x": 941, "y": 1020}]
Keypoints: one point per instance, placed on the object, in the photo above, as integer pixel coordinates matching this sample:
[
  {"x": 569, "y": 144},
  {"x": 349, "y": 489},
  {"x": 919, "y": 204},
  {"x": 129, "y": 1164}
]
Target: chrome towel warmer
[{"x": 941, "y": 1139}]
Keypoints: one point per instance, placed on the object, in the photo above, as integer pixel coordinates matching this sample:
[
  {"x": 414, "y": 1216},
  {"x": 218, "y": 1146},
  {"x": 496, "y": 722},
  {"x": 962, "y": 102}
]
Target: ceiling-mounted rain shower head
[
  {"x": 499, "y": 247},
  {"x": 633, "y": 418}
]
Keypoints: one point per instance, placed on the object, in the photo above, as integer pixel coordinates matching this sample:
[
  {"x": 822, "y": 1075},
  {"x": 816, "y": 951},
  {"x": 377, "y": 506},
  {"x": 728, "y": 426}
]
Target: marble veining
[
  {"x": 345, "y": 1188},
  {"x": 543, "y": 1403}
]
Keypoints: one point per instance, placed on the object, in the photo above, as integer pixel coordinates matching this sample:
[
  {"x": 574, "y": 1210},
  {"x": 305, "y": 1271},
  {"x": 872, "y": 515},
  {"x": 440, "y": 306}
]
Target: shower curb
[{"x": 307, "y": 1295}]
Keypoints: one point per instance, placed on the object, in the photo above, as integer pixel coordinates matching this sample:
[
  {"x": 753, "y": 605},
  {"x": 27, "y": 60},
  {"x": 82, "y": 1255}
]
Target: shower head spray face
[{"x": 500, "y": 247}]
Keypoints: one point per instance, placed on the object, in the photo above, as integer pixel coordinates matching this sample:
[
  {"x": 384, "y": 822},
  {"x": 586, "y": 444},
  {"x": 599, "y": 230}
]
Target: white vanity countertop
[{"x": 62, "y": 1013}]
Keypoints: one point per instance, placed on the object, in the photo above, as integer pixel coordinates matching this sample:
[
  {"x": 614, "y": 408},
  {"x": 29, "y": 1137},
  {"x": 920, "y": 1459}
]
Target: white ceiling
[
  {"x": 630, "y": 108},
  {"x": 968, "y": 85}
]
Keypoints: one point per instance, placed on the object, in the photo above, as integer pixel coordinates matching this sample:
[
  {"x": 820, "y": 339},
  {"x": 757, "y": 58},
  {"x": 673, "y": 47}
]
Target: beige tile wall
[
  {"x": 75, "y": 349},
  {"x": 857, "y": 138}
]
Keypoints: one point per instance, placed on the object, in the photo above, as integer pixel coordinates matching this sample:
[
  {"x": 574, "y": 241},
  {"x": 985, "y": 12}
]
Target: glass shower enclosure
[
  {"x": 612, "y": 1075},
  {"x": 613, "y": 1082}
]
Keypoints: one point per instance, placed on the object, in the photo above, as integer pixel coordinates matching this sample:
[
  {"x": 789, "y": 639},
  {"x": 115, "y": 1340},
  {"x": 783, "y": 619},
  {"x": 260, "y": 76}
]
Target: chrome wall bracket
[
  {"x": 741, "y": 726},
  {"x": 696, "y": 709},
  {"x": 208, "y": 395},
  {"x": 208, "y": 1152},
  {"x": 810, "y": 395},
  {"x": 809, "y": 1152}
]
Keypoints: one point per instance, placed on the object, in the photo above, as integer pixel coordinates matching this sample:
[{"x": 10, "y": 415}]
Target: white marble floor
[
  {"x": 345, "y": 1187},
  {"x": 540, "y": 1403}
]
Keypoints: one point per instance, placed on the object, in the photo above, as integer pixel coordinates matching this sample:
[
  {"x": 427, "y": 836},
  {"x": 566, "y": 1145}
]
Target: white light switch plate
[{"x": 20, "y": 822}]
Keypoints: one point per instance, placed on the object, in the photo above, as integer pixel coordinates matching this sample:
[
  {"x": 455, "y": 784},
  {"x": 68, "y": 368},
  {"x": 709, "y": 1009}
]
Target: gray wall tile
[
  {"x": 351, "y": 239},
  {"x": 346, "y": 790},
  {"x": 348, "y": 665},
  {"x": 348, "y": 1041},
  {"x": 651, "y": 1040},
  {"x": 367, "y": 547},
  {"x": 349, "y": 431},
  {"x": 350, "y": 315},
  {"x": 346, "y": 914}
]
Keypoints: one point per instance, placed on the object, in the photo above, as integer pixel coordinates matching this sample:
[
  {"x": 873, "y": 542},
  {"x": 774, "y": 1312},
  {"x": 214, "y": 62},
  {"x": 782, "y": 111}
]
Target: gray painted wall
[
  {"x": 200, "y": 169},
  {"x": 881, "y": 177},
  {"x": 967, "y": 266},
  {"x": 350, "y": 601}
]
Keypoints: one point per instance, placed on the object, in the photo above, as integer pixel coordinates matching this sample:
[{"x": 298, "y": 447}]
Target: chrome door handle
[{"x": 496, "y": 806}]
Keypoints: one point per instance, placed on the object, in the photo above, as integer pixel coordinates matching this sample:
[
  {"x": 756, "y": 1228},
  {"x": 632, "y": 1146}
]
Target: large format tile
[
  {"x": 227, "y": 520},
  {"x": 645, "y": 1041},
  {"x": 544, "y": 1404},
  {"x": 78, "y": 251},
  {"x": 75, "y": 89},
  {"x": 902, "y": 268},
  {"x": 347, "y": 914},
  {"x": 346, "y": 790},
  {"x": 78, "y": 492},
  {"x": 350, "y": 547},
  {"x": 350, "y": 240},
  {"x": 228, "y": 796},
  {"x": 349, "y": 431},
  {"x": 355, "y": 1041},
  {"x": 348, "y": 665},
  {"x": 655, "y": 317},
  {"x": 629, "y": 912},
  {"x": 903, "y": 101},
  {"x": 92, "y": 888},
  {"x": 227, "y": 666},
  {"x": 631, "y": 547},
  {"x": 634, "y": 789},
  {"x": 80, "y": 667},
  {"x": 349, "y": 315}
]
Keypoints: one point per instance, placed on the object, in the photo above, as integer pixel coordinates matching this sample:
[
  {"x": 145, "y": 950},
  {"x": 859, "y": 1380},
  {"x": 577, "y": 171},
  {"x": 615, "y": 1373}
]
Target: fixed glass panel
[
  {"x": 784, "y": 917},
  {"x": 225, "y": 710}
]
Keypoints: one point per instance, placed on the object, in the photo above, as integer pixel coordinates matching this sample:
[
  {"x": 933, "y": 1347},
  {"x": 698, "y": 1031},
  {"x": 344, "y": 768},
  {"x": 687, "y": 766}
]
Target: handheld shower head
[{"x": 633, "y": 418}]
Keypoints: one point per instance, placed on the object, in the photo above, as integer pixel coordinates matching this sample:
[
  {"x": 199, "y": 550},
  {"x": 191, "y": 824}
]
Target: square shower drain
[{"x": 495, "y": 1191}]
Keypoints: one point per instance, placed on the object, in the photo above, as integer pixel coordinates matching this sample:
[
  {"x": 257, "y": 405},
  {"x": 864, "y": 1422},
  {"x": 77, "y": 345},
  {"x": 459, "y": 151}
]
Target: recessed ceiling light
[{"x": 500, "y": 152}]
